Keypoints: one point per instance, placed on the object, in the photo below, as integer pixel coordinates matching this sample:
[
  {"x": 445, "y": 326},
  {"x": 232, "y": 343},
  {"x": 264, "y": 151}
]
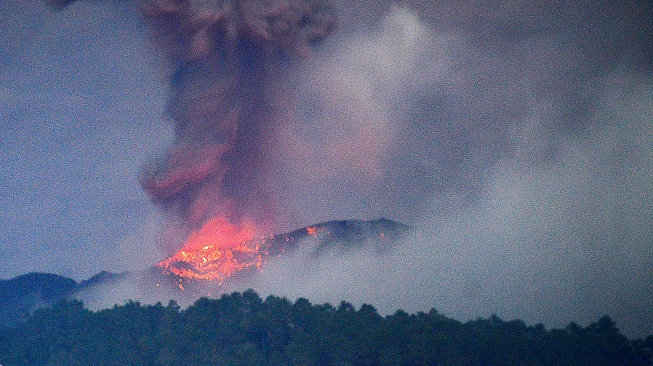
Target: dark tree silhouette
[{"x": 242, "y": 329}]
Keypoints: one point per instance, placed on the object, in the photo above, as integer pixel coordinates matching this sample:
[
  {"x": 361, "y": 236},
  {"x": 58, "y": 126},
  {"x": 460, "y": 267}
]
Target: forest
[{"x": 244, "y": 329}]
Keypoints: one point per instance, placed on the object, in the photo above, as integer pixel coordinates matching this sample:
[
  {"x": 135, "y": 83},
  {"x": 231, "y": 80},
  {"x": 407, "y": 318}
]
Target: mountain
[
  {"x": 21, "y": 295},
  {"x": 381, "y": 235}
]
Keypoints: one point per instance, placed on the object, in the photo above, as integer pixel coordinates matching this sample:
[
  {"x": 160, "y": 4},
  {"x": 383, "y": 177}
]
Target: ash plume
[{"x": 226, "y": 99}]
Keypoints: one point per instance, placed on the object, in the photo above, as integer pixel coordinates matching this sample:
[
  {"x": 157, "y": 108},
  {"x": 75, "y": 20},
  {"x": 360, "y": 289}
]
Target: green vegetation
[{"x": 243, "y": 329}]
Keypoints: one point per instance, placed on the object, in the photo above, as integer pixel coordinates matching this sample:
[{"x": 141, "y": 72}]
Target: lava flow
[
  {"x": 221, "y": 249},
  {"x": 216, "y": 251}
]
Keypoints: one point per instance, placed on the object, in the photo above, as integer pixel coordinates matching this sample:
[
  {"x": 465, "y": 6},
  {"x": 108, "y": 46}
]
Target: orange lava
[{"x": 216, "y": 251}]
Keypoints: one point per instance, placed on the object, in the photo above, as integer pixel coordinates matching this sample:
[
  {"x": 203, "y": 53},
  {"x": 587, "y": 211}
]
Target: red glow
[{"x": 216, "y": 251}]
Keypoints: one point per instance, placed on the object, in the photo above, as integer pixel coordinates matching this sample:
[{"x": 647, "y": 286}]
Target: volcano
[
  {"x": 210, "y": 263},
  {"x": 178, "y": 278},
  {"x": 206, "y": 260}
]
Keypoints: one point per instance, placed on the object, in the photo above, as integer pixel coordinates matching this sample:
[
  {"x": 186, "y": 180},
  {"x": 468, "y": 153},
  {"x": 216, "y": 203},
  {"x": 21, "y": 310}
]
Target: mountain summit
[{"x": 21, "y": 295}]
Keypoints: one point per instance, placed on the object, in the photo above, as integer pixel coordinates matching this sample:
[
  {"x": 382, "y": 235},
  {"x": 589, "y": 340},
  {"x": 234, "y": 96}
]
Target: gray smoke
[
  {"x": 516, "y": 137},
  {"x": 227, "y": 100},
  {"x": 423, "y": 99}
]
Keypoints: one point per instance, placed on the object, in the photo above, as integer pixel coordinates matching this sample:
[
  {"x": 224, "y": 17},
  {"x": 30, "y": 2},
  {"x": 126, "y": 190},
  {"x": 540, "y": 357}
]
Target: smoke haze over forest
[{"x": 517, "y": 139}]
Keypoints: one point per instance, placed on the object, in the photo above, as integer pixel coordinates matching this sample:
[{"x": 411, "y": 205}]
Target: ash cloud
[
  {"x": 440, "y": 91},
  {"x": 227, "y": 101},
  {"x": 227, "y": 61}
]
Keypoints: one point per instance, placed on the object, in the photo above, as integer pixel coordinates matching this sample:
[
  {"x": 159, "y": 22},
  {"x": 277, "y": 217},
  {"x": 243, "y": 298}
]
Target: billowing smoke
[
  {"x": 517, "y": 138},
  {"x": 227, "y": 100},
  {"x": 438, "y": 92}
]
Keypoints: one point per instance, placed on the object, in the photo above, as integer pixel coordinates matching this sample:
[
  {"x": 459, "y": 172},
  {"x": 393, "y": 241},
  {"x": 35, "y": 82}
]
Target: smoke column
[
  {"x": 226, "y": 99},
  {"x": 225, "y": 54}
]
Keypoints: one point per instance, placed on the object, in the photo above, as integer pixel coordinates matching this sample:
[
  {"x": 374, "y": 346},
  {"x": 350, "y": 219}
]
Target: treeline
[{"x": 243, "y": 329}]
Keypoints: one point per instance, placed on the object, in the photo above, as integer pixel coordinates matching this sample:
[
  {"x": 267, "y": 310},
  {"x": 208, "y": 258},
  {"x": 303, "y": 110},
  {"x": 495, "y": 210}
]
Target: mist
[
  {"x": 517, "y": 143},
  {"x": 515, "y": 138},
  {"x": 566, "y": 241}
]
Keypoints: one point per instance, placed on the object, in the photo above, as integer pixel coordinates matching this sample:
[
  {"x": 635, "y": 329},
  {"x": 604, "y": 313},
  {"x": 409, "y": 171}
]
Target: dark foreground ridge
[
  {"x": 22, "y": 295},
  {"x": 243, "y": 329}
]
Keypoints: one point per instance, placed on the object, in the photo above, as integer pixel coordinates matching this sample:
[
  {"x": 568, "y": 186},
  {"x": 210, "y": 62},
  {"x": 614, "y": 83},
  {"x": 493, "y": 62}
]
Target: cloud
[
  {"x": 339, "y": 151},
  {"x": 565, "y": 241}
]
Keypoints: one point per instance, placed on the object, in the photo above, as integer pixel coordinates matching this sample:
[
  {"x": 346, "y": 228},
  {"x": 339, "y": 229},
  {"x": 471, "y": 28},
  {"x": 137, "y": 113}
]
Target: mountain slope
[{"x": 23, "y": 294}]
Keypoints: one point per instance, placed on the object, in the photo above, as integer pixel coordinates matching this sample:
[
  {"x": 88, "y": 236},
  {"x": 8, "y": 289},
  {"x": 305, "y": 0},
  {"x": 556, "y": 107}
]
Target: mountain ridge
[{"x": 21, "y": 295}]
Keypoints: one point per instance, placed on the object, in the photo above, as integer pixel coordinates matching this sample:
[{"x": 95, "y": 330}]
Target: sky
[{"x": 516, "y": 137}]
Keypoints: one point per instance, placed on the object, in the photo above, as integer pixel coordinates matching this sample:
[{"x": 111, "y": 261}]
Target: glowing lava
[
  {"x": 221, "y": 249},
  {"x": 216, "y": 251}
]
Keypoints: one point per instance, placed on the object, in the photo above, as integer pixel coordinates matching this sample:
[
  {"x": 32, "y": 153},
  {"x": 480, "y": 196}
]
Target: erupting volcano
[
  {"x": 227, "y": 98},
  {"x": 215, "y": 252},
  {"x": 225, "y": 105},
  {"x": 220, "y": 249}
]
